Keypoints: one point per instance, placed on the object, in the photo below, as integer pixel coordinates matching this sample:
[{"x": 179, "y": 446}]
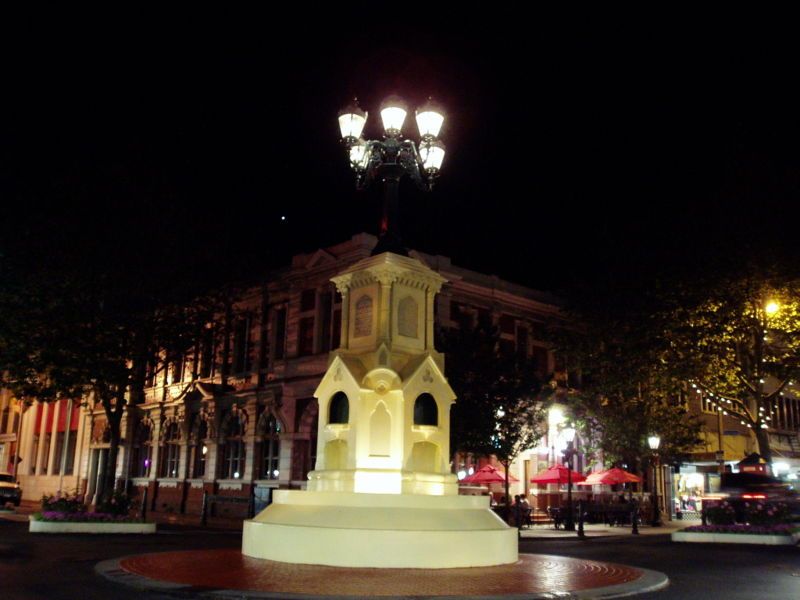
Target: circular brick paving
[{"x": 534, "y": 574}]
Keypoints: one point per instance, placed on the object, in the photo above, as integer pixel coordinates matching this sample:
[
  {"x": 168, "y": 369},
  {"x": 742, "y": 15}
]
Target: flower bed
[
  {"x": 780, "y": 534},
  {"x": 86, "y": 522},
  {"x": 68, "y": 514},
  {"x": 53, "y": 516}
]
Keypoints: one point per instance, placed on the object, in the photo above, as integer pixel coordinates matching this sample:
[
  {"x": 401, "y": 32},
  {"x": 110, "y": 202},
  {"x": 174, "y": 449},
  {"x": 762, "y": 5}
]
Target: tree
[
  {"x": 623, "y": 391},
  {"x": 105, "y": 279},
  {"x": 737, "y": 343},
  {"x": 69, "y": 335},
  {"x": 497, "y": 411}
]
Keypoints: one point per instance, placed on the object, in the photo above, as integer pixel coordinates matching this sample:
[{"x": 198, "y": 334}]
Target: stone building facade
[{"x": 252, "y": 427}]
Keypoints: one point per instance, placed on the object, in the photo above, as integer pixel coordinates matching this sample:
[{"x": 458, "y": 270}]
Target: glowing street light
[
  {"x": 389, "y": 159},
  {"x": 654, "y": 441},
  {"x": 772, "y": 307}
]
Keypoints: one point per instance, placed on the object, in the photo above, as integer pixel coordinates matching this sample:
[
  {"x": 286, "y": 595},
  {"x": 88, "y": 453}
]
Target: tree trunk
[
  {"x": 764, "y": 449},
  {"x": 114, "y": 416}
]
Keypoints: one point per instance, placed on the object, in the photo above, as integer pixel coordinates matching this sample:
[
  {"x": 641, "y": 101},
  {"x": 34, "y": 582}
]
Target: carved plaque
[{"x": 363, "y": 321}]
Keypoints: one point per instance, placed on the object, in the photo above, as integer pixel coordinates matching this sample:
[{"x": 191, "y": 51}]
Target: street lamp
[
  {"x": 389, "y": 159},
  {"x": 569, "y": 436},
  {"x": 654, "y": 441}
]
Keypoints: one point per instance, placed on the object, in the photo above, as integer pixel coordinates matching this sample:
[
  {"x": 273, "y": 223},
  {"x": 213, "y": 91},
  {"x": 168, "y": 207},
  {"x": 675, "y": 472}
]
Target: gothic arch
[{"x": 263, "y": 421}]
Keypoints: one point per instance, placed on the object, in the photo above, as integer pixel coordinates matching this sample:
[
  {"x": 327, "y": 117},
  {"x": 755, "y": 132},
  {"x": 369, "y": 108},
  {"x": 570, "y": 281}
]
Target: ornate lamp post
[
  {"x": 569, "y": 454},
  {"x": 389, "y": 159},
  {"x": 654, "y": 441}
]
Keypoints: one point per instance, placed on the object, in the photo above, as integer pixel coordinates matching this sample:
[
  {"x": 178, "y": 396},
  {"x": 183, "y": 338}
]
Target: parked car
[{"x": 9, "y": 490}]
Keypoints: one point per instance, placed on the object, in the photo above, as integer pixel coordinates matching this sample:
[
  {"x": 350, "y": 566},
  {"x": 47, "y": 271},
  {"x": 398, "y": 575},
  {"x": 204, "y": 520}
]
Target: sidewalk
[{"x": 601, "y": 530}]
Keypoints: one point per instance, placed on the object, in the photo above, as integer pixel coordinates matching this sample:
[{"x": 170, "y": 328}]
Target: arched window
[
  {"x": 170, "y": 450},
  {"x": 199, "y": 448},
  {"x": 232, "y": 445},
  {"x": 270, "y": 448},
  {"x": 425, "y": 410},
  {"x": 141, "y": 450},
  {"x": 339, "y": 410}
]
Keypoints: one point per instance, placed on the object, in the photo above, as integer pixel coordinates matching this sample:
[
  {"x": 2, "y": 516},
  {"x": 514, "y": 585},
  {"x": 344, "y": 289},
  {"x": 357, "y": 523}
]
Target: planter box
[
  {"x": 66, "y": 527},
  {"x": 735, "y": 538}
]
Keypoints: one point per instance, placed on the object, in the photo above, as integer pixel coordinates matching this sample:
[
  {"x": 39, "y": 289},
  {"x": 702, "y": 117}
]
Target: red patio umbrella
[
  {"x": 488, "y": 474},
  {"x": 611, "y": 477},
  {"x": 557, "y": 474}
]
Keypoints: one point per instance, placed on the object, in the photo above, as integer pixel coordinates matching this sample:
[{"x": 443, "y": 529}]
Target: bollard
[
  {"x": 581, "y": 534},
  {"x": 635, "y": 518},
  {"x": 204, "y": 509},
  {"x": 143, "y": 508}
]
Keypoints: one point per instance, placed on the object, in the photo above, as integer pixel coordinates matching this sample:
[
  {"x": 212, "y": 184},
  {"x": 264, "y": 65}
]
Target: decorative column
[
  {"x": 344, "y": 290},
  {"x": 430, "y": 299}
]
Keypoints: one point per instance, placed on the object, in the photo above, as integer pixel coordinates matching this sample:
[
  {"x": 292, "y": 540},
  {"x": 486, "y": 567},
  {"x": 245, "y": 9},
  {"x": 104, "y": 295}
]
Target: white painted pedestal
[{"x": 380, "y": 530}]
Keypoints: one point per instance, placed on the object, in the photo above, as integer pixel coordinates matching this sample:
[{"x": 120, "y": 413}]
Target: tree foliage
[
  {"x": 621, "y": 390},
  {"x": 497, "y": 411},
  {"x": 738, "y": 344},
  {"x": 91, "y": 301}
]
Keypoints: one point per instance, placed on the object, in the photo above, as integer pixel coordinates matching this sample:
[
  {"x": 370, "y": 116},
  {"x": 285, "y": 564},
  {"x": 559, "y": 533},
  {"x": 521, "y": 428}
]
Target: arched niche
[
  {"x": 380, "y": 431},
  {"x": 339, "y": 409},
  {"x": 336, "y": 455},
  {"x": 425, "y": 457},
  {"x": 362, "y": 326},
  {"x": 425, "y": 410},
  {"x": 407, "y": 317}
]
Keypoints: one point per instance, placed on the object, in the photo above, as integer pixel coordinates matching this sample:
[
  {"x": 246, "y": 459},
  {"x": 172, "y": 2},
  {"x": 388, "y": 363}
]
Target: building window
[
  {"x": 69, "y": 458},
  {"x": 199, "y": 449},
  {"x": 339, "y": 410},
  {"x": 46, "y": 450},
  {"x": 34, "y": 454},
  {"x": 207, "y": 352},
  {"x": 241, "y": 345},
  {"x": 325, "y": 316},
  {"x": 308, "y": 300},
  {"x": 280, "y": 333},
  {"x": 233, "y": 447},
  {"x": 539, "y": 356},
  {"x": 506, "y": 347},
  {"x": 270, "y": 448},
  {"x": 425, "y": 410},
  {"x": 305, "y": 337},
  {"x": 522, "y": 342},
  {"x": 176, "y": 370},
  {"x": 150, "y": 372},
  {"x": 142, "y": 450},
  {"x": 506, "y": 324},
  {"x": 170, "y": 451},
  {"x": 336, "y": 329}
]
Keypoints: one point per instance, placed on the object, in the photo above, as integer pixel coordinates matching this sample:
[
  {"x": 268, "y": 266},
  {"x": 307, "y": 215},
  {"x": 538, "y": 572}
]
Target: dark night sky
[{"x": 577, "y": 148}]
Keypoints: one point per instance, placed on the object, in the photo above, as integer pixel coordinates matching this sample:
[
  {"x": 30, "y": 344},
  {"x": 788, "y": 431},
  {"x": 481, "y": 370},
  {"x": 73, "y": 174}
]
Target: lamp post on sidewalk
[
  {"x": 654, "y": 441},
  {"x": 569, "y": 454}
]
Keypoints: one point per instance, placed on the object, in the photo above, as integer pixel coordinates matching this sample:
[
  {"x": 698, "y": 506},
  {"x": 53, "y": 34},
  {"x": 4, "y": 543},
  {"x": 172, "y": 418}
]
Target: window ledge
[
  {"x": 230, "y": 484},
  {"x": 337, "y": 426},
  {"x": 425, "y": 428}
]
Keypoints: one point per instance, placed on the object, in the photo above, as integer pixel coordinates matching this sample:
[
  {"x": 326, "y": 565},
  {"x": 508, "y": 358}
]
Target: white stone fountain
[{"x": 382, "y": 494}]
